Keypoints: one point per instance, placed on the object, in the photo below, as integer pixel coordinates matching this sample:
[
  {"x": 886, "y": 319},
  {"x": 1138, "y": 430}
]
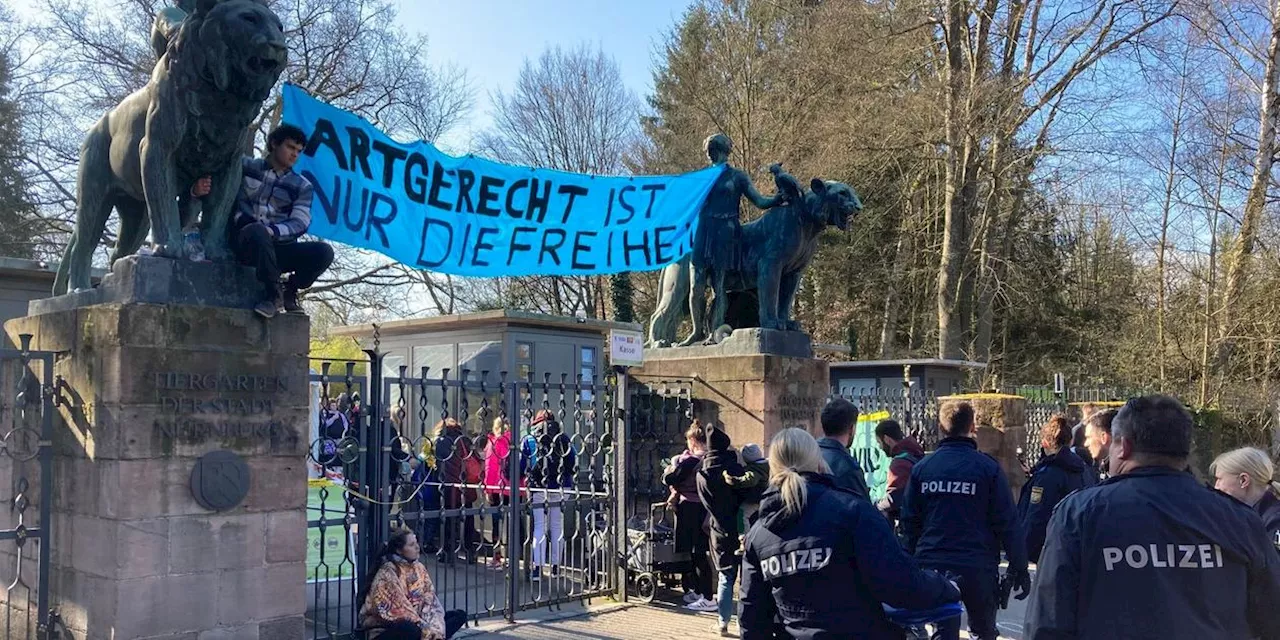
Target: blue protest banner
[{"x": 474, "y": 217}]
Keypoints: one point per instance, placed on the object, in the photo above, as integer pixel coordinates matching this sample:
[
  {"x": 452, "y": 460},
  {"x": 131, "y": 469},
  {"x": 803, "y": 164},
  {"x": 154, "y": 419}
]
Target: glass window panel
[
  {"x": 588, "y": 379},
  {"x": 436, "y": 356},
  {"x": 480, "y": 356}
]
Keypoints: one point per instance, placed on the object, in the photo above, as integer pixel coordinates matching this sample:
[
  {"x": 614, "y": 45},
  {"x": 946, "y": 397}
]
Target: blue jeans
[{"x": 725, "y": 592}]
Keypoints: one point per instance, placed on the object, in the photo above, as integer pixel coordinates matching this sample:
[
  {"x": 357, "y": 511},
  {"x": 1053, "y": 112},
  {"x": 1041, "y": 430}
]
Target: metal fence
[
  {"x": 511, "y": 513},
  {"x": 1039, "y": 412},
  {"x": 917, "y": 413},
  {"x": 26, "y": 486},
  {"x": 659, "y": 414}
]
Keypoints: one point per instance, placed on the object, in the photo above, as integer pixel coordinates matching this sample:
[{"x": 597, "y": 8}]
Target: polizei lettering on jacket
[
  {"x": 950, "y": 486},
  {"x": 1163, "y": 556},
  {"x": 793, "y": 562}
]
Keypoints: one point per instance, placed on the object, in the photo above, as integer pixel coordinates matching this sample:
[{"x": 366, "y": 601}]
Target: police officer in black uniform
[
  {"x": 820, "y": 560},
  {"x": 1152, "y": 553},
  {"x": 957, "y": 513}
]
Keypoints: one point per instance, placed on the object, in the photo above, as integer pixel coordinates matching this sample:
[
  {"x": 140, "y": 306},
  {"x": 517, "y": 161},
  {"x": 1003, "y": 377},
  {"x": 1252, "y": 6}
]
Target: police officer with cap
[
  {"x": 957, "y": 513},
  {"x": 1152, "y": 553}
]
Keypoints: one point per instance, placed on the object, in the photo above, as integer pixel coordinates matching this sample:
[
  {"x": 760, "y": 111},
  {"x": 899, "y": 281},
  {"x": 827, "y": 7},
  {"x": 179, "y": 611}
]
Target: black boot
[{"x": 291, "y": 299}]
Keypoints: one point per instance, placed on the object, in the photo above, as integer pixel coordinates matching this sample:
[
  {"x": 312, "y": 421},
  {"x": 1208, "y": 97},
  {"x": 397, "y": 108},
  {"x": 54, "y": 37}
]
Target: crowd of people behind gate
[
  {"x": 1128, "y": 543},
  {"x": 455, "y": 471}
]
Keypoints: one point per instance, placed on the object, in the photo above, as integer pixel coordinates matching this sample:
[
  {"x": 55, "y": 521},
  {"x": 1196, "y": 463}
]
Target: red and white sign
[{"x": 626, "y": 348}]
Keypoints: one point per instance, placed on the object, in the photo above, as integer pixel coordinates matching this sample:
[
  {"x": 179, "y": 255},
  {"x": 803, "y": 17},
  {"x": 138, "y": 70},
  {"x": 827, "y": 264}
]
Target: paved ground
[
  {"x": 609, "y": 622},
  {"x": 658, "y": 621}
]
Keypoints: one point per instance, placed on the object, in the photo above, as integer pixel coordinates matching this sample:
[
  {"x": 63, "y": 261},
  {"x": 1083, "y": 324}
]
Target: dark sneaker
[
  {"x": 266, "y": 308},
  {"x": 291, "y": 300},
  {"x": 269, "y": 306}
]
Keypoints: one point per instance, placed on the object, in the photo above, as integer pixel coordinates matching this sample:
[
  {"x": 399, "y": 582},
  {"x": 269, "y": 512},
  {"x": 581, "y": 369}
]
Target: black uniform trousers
[{"x": 978, "y": 592}]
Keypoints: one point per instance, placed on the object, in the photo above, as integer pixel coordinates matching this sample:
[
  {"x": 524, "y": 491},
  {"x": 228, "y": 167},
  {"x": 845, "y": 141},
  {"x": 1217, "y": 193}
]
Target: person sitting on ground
[
  {"x": 839, "y": 418},
  {"x": 1057, "y": 474},
  {"x": 820, "y": 560},
  {"x": 1249, "y": 476},
  {"x": 903, "y": 452},
  {"x": 400, "y": 601},
  {"x": 272, "y": 212}
]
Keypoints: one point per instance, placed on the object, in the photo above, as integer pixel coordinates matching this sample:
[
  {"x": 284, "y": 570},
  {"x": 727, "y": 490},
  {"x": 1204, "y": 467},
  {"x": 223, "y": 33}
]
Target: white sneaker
[
  {"x": 702, "y": 604},
  {"x": 691, "y": 597}
]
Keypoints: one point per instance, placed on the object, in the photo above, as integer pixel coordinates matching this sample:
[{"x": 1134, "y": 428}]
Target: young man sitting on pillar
[{"x": 272, "y": 212}]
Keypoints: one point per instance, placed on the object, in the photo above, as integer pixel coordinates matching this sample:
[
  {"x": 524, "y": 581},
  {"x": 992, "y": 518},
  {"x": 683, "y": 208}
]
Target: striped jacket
[{"x": 281, "y": 201}]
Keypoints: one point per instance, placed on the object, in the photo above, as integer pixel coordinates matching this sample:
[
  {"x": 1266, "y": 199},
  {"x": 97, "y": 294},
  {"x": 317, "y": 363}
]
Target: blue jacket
[
  {"x": 958, "y": 509},
  {"x": 1153, "y": 554},
  {"x": 1269, "y": 509},
  {"x": 844, "y": 468},
  {"x": 824, "y": 572},
  {"x": 1053, "y": 478}
]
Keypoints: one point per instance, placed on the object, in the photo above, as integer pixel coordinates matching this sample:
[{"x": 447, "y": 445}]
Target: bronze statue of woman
[{"x": 715, "y": 245}]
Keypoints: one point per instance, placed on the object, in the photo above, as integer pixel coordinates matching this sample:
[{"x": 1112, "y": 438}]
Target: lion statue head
[
  {"x": 836, "y": 202},
  {"x": 237, "y": 46}
]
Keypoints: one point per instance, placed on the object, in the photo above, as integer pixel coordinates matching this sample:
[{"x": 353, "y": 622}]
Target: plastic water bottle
[{"x": 195, "y": 248}]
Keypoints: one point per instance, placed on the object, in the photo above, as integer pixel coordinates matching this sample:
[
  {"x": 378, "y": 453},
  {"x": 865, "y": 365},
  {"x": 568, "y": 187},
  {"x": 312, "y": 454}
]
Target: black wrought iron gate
[
  {"x": 508, "y": 484},
  {"x": 26, "y": 486}
]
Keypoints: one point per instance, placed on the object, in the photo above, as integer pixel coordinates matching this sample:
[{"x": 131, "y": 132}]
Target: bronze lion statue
[
  {"x": 192, "y": 119},
  {"x": 775, "y": 251}
]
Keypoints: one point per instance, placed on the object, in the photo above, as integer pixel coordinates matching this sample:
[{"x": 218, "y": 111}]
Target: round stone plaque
[{"x": 220, "y": 480}]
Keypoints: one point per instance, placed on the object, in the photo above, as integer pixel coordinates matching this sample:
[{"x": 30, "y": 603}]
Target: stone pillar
[
  {"x": 149, "y": 388},
  {"x": 755, "y": 383},
  {"x": 1002, "y": 428}
]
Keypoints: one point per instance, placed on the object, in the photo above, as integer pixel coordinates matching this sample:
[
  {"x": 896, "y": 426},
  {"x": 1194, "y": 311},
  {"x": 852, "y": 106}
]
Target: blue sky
[{"x": 490, "y": 39}]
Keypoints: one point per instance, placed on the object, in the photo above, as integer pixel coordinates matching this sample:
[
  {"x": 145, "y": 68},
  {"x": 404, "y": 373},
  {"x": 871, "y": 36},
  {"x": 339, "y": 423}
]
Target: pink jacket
[{"x": 496, "y": 451}]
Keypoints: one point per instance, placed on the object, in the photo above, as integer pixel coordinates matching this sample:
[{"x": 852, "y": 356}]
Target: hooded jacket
[
  {"x": 902, "y": 459},
  {"x": 720, "y": 499},
  {"x": 1053, "y": 478},
  {"x": 823, "y": 572},
  {"x": 1154, "y": 554},
  {"x": 844, "y": 469}
]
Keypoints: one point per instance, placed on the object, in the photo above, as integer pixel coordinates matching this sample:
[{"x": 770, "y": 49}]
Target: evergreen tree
[{"x": 17, "y": 212}]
